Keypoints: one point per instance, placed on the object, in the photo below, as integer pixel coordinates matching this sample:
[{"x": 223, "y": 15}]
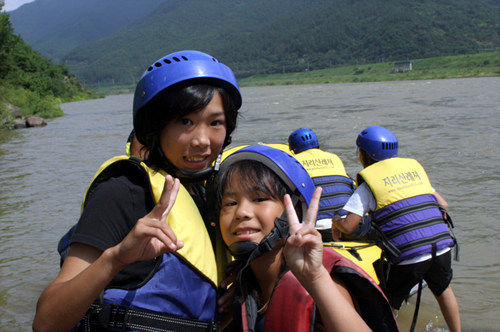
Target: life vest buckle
[{"x": 113, "y": 317}]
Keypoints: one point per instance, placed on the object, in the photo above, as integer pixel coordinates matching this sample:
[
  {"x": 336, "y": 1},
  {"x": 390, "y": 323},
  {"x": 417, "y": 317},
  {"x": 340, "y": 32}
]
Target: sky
[{"x": 13, "y": 4}]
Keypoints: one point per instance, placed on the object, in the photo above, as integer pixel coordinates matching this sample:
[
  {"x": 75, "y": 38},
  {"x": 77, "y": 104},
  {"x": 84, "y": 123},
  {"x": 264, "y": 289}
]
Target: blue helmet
[
  {"x": 379, "y": 142},
  {"x": 295, "y": 177},
  {"x": 302, "y": 139},
  {"x": 181, "y": 68},
  {"x": 285, "y": 166}
]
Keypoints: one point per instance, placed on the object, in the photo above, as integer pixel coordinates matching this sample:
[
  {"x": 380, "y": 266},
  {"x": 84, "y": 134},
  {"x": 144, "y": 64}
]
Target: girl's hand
[
  {"x": 304, "y": 255},
  {"x": 304, "y": 248},
  {"x": 151, "y": 235}
]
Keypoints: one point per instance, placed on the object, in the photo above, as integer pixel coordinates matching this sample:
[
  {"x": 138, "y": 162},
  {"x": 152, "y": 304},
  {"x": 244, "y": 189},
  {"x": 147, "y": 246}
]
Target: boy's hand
[{"x": 152, "y": 236}]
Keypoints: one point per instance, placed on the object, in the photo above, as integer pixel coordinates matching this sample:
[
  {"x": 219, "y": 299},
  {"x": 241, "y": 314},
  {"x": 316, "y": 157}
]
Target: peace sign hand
[
  {"x": 304, "y": 248},
  {"x": 151, "y": 235}
]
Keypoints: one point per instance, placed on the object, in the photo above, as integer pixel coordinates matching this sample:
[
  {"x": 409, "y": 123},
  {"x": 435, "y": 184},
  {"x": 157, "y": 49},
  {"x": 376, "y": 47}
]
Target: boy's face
[
  {"x": 193, "y": 142},
  {"x": 247, "y": 216}
]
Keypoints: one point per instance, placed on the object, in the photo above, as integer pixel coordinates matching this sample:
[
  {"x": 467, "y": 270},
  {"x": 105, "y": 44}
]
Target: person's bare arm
[
  {"x": 345, "y": 225},
  {"x": 84, "y": 274},
  {"x": 441, "y": 201},
  {"x": 87, "y": 270}
]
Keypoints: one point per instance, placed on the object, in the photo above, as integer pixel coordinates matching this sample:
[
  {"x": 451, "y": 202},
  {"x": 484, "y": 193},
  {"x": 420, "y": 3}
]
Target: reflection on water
[{"x": 450, "y": 126}]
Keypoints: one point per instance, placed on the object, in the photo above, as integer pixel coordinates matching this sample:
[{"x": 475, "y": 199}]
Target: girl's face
[
  {"x": 193, "y": 142},
  {"x": 247, "y": 216}
]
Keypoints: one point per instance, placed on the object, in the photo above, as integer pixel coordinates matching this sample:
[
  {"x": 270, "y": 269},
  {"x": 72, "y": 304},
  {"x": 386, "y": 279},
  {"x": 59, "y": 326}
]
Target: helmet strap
[
  {"x": 241, "y": 250},
  {"x": 248, "y": 251},
  {"x": 279, "y": 232}
]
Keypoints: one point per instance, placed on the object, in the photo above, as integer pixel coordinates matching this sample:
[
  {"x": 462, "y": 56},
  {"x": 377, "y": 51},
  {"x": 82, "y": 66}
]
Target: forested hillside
[
  {"x": 274, "y": 36},
  {"x": 30, "y": 81},
  {"x": 56, "y": 27},
  {"x": 254, "y": 37}
]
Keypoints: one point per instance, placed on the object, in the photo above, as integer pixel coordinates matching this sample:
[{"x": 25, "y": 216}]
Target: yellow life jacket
[
  {"x": 327, "y": 171},
  {"x": 184, "y": 219},
  {"x": 395, "y": 179},
  {"x": 407, "y": 211},
  {"x": 321, "y": 163}
]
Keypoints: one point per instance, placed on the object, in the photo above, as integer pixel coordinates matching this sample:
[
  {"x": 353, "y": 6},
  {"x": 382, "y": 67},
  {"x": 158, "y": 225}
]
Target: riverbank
[{"x": 460, "y": 66}]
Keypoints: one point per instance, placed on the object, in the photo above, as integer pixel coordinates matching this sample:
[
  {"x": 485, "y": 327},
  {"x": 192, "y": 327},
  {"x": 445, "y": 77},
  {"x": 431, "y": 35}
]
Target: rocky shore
[{"x": 19, "y": 121}]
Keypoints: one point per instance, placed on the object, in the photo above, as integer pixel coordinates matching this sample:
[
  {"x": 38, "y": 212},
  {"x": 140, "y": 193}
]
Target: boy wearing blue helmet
[
  {"x": 327, "y": 171},
  {"x": 141, "y": 257},
  {"x": 288, "y": 281},
  {"x": 396, "y": 196}
]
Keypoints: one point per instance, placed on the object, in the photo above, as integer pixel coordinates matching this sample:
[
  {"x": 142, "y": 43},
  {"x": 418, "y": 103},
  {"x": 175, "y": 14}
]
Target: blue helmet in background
[
  {"x": 378, "y": 142},
  {"x": 184, "y": 67},
  {"x": 302, "y": 139}
]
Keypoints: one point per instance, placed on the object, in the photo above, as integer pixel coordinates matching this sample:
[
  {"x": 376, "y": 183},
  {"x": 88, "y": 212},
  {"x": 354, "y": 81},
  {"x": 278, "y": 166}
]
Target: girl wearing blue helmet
[
  {"x": 141, "y": 257},
  {"x": 286, "y": 274}
]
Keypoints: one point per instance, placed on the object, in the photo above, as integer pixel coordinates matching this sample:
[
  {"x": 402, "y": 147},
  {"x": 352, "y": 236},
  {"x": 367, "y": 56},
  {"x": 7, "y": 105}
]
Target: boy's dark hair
[
  {"x": 176, "y": 103},
  {"x": 365, "y": 158}
]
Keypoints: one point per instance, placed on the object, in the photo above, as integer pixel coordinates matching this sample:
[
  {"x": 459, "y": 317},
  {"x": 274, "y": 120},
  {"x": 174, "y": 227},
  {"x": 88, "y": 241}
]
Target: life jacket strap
[
  {"x": 115, "y": 317},
  {"x": 384, "y": 242},
  {"x": 450, "y": 224}
]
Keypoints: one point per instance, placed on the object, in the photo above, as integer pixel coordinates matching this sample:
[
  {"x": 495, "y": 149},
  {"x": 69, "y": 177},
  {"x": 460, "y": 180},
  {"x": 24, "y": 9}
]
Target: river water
[{"x": 451, "y": 126}]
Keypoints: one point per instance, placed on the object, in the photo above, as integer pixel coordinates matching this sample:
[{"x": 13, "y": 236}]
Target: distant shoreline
[{"x": 459, "y": 66}]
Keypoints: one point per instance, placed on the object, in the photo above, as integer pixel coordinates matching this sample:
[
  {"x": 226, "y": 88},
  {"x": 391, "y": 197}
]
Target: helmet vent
[
  {"x": 389, "y": 146},
  {"x": 174, "y": 59},
  {"x": 306, "y": 137},
  {"x": 168, "y": 61}
]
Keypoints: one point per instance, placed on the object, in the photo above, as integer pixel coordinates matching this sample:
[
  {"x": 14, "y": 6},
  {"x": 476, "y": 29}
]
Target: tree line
[
  {"x": 283, "y": 36},
  {"x": 30, "y": 81}
]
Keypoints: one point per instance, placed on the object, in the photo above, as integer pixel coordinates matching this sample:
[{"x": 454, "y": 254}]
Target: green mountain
[
  {"x": 276, "y": 36},
  {"x": 56, "y": 27}
]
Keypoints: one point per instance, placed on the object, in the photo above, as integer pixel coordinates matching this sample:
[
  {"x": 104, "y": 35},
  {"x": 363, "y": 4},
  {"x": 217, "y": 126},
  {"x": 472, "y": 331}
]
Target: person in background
[
  {"x": 141, "y": 257},
  {"x": 327, "y": 171},
  {"x": 134, "y": 148},
  {"x": 288, "y": 281},
  {"x": 397, "y": 197}
]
